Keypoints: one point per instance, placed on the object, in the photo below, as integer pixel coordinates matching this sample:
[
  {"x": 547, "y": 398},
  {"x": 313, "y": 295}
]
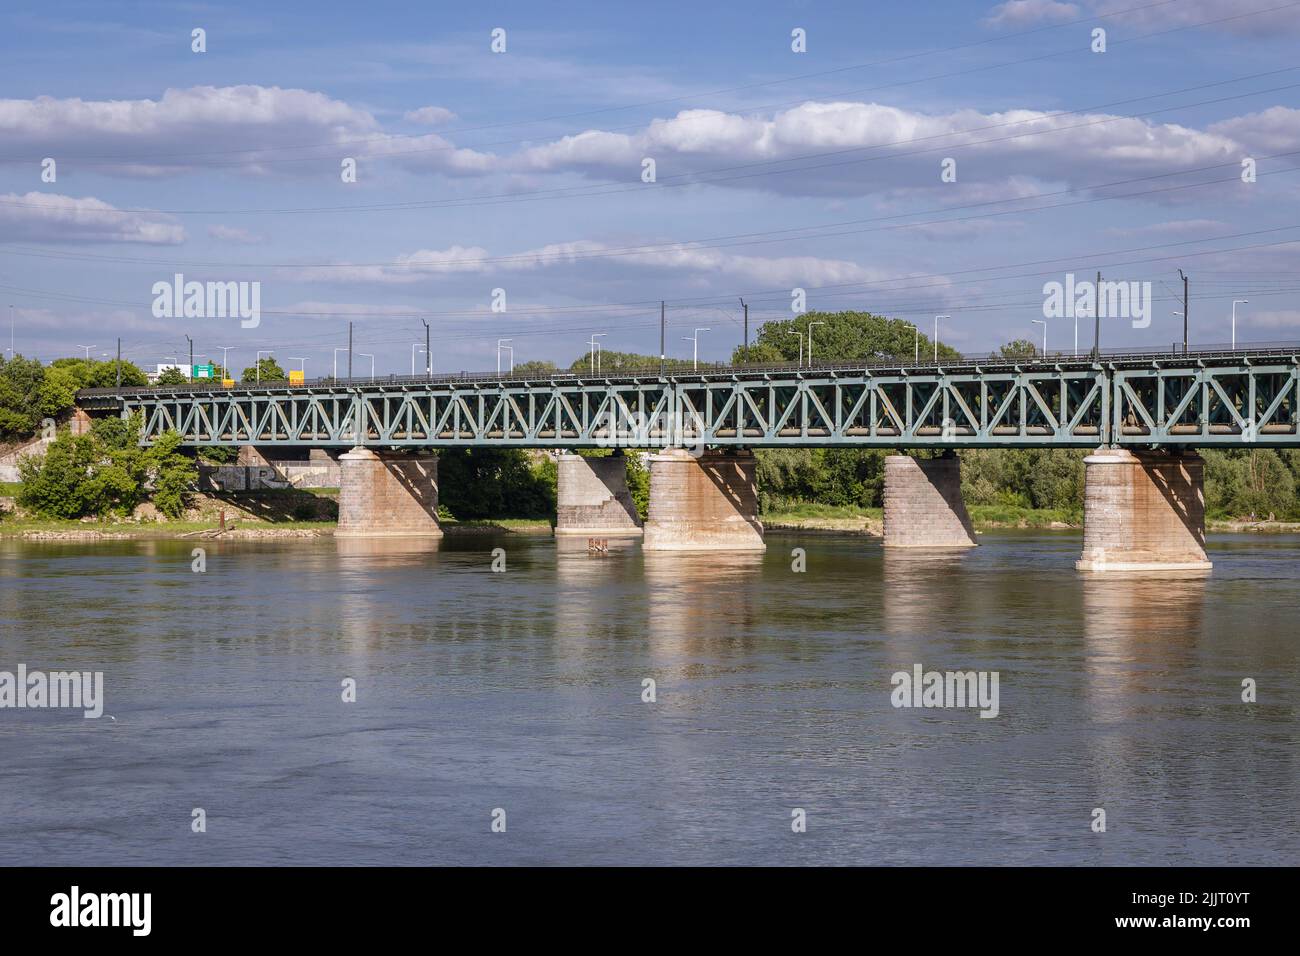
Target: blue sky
[{"x": 522, "y": 170}]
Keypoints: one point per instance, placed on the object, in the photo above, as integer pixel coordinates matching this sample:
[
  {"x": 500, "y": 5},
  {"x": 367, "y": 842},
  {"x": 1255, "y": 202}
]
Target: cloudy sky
[{"x": 524, "y": 170}]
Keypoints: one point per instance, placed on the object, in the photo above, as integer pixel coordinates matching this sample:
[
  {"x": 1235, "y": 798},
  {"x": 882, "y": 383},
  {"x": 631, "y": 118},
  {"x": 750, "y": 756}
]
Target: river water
[{"x": 522, "y": 691}]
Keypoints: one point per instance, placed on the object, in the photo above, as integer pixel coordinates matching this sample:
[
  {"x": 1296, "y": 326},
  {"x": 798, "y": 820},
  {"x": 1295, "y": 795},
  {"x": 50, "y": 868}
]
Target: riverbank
[
  {"x": 829, "y": 519},
  {"x": 805, "y": 519},
  {"x": 75, "y": 530}
]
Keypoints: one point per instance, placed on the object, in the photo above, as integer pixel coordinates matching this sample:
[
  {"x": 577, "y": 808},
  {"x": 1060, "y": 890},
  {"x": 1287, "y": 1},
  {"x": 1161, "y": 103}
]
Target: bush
[{"x": 106, "y": 473}]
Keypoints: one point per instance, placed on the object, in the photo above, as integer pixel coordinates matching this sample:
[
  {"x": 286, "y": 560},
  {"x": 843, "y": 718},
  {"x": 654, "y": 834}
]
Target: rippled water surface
[{"x": 522, "y": 691}]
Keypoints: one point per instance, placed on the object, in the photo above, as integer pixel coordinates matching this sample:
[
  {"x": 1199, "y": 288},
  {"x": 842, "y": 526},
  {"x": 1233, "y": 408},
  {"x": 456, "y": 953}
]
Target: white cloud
[
  {"x": 431, "y": 115},
  {"x": 49, "y": 217},
  {"x": 1274, "y": 130},
  {"x": 1274, "y": 319},
  {"x": 250, "y": 127},
  {"x": 1263, "y": 20},
  {"x": 1020, "y": 13},
  {"x": 848, "y": 148},
  {"x": 235, "y": 234},
  {"x": 680, "y": 259}
]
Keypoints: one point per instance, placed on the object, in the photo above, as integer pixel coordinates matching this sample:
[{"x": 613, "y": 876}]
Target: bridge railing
[{"x": 674, "y": 369}]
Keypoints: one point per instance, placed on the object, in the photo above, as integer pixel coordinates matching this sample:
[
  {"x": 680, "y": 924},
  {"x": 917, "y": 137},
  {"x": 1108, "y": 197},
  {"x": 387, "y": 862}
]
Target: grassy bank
[
  {"x": 243, "y": 527},
  {"x": 810, "y": 516},
  {"x": 34, "y": 527},
  {"x": 497, "y": 526}
]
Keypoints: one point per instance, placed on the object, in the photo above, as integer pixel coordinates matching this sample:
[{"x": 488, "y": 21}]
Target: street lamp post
[
  {"x": 936, "y": 336},
  {"x": 225, "y": 363},
  {"x": 302, "y": 367},
  {"x": 415, "y": 347},
  {"x": 695, "y": 350},
  {"x": 501, "y": 344},
  {"x": 595, "y": 349},
  {"x": 1043, "y": 323},
  {"x": 336, "y": 360},
  {"x": 916, "y": 359},
  {"x": 257, "y": 364},
  {"x": 87, "y": 348},
  {"x": 1234, "y": 320},
  {"x": 372, "y": 363},
  {"x": 810, "y": 328}
]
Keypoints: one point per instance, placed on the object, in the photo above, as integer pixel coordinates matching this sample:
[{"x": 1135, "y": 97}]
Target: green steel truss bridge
[{"x": 1204, "y": 397}]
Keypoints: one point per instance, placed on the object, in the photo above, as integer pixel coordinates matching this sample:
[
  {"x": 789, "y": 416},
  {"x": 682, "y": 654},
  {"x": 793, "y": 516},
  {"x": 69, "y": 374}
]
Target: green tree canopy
[
  {"x": 266, "y": 370},
  {"x": 172, "y": 376},
  {"x": 106, "y": 473},
  {"x": 842, "y": 337},
  {"x": 1019, "y": 350},
  {"x": 21, "y": 407},
  {"x": 612, "y": 362},
  {"x": 536, "y": 367},
  {"x": 30, "y": 392}
]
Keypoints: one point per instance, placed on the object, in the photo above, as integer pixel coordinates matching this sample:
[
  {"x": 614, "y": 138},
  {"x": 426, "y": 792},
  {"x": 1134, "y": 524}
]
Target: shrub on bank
[{"x": 105, "y": 473}]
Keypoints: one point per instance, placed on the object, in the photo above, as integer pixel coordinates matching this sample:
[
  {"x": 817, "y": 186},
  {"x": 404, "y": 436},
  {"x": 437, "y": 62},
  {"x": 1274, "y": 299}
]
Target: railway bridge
[{"x": 1144, "y": 413}]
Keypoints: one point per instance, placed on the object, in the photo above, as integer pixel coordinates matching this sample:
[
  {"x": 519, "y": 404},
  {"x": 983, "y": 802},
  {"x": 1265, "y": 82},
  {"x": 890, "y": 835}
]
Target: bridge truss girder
[
  {"x": 1149, "y": 405},
  {"x": 1021, "y": 407},
  {"x": 1207, "y": 405}
]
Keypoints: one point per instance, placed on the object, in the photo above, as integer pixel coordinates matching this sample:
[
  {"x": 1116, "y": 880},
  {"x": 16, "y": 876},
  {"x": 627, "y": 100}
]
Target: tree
[
  {"x": 266, "y": 370},
  {"x": 65, "y": 376},
  {"x": 847, "y": 336},
  {"x": 106, "y": 472},
  {"x": 477, "y": 483},
  {"x": 537, "y": 367},
  {"x": 172, "y": 376},
  {"x": 1248, "y": 481},
  {"x": 758, "y": 353},
  {"x": 173, "y": 474},
  {"x": 104, "y": 375},
  {"x": 1019, "y": 350},
  {"x": 21, "y": 408},
  {"x": 614, "y": 362}
]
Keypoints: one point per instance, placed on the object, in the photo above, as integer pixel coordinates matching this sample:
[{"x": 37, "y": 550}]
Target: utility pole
[
  {"x": 119, "y": 361},
  {"x": 1096, "y": 320},
  {"x": 746, "y": 308},
  {"x": 428, "y": 357},
  {"x": 662, "y": 351},
  {"x": 191, "y": 341},
  {"x": 349, "y": 351},
  {"x": 1183, "y": 275}
]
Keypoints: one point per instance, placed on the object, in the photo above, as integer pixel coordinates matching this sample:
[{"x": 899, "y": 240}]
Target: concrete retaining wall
[{"x": 276, "y": 474}]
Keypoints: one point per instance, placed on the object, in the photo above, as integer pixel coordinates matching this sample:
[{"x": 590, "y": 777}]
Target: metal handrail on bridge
[{"x": 706, "y": 371}]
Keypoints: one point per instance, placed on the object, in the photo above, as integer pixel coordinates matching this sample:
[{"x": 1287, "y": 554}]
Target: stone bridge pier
[
  {"x": 592, "y": 497},
  {"x": 709, "y": 503},
  {"x": 388, "y": 494},
  {"x": 1143, "y": 511},
  {"x": 923, "y": 505}
]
